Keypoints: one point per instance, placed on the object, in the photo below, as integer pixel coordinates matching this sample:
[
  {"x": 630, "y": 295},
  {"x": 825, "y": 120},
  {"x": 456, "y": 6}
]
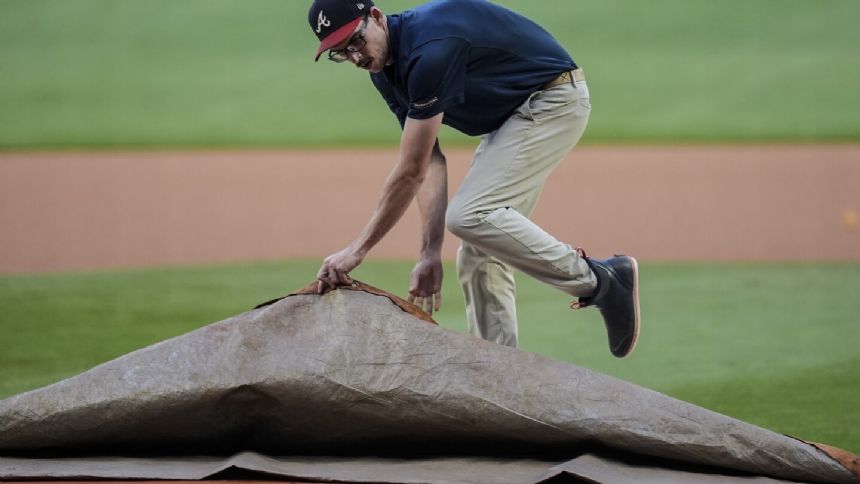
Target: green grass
[
  {"x": 155, "y": 73},
  {"x": 772, "y": 344}
]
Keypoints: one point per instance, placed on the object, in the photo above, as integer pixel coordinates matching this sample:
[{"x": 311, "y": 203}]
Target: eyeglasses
[{"x": 356, "y": 44}]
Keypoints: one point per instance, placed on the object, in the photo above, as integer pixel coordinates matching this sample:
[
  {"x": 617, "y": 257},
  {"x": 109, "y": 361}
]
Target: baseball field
[{"x": 85, "y": 84}]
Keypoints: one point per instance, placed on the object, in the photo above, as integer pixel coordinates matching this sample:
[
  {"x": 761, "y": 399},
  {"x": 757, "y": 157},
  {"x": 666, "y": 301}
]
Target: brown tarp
[{"x": 353, "y": 386}]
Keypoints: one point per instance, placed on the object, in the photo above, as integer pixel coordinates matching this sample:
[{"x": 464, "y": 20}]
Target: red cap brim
[{"x": 337, "y": 37}]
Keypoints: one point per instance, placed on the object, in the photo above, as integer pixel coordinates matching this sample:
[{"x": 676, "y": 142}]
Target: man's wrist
[
  {"x": 431, "y": 254},
  {"x": 360, "y": 249}
]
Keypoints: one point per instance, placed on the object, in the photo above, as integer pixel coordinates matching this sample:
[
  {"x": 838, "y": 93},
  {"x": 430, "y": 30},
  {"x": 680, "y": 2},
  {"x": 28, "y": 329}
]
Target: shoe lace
[{"x": 576, "y": 304}]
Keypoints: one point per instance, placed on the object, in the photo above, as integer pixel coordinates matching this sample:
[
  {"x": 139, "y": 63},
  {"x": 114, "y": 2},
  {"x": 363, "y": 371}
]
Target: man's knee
[{"x": 461, "y": 222}]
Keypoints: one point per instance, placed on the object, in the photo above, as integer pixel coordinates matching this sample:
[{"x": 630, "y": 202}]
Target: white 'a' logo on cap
[
  {"x": 322, "y": 21},
  {"x": 360, "y": 6}
]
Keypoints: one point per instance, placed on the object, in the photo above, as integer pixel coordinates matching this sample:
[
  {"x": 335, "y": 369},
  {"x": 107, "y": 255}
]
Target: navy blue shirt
[{"x": 471, "y": 59}]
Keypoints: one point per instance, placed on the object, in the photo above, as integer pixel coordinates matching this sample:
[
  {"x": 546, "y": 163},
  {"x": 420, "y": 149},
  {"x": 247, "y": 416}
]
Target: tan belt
[{"x": 566, "y": 77}]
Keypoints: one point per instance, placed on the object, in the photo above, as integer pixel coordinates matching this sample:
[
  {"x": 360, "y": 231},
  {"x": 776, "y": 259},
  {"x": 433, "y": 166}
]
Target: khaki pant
[{"x": 490, "y": 211}]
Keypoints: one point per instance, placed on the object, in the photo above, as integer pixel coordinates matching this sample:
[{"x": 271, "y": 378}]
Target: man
[{"x": 484, "y": 70}]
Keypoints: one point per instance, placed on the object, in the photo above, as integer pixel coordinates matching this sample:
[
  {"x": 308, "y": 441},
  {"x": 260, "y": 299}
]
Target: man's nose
[{"x": 354, "y": 57}]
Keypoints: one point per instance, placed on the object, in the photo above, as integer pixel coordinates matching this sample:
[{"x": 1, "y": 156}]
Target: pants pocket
[
  {"x": 584, "y": 96},
  {"x": 552, "y": 102},
  {"x": 525, "y": 109}
]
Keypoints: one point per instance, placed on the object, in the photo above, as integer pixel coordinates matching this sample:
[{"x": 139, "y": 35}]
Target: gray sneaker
[{"x": 617, "y": 298}]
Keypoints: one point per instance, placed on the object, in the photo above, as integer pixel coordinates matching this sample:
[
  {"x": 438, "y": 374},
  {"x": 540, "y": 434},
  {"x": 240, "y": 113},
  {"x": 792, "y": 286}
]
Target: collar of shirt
[
  {"x": 393, "y": 37},
  {"x": 392, "y": 71}
]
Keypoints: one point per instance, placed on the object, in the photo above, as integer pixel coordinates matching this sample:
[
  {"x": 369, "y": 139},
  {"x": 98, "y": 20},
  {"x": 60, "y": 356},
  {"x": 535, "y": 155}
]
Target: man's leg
[
  {"x": 488, "y": 284},
  {"x": 490, "y": 211},
  {"x": 490, "y": 292},
  {"x": 505, "y": 180}
]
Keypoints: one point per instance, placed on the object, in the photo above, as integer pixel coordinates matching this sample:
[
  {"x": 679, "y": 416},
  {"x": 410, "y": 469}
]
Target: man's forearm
[
  {"x": 432, "y": 203},
  {"x": 404, "y": 181},
  {"x": 399, "y": 190}
]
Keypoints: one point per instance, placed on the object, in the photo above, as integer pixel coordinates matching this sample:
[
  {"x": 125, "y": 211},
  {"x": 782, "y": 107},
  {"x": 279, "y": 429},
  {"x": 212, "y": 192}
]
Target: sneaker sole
[{"x": 638, "y": 322}]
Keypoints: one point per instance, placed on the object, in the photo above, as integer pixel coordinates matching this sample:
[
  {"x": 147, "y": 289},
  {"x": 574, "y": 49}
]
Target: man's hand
[
  {"x": 336, "y": 268},
  {"x": 425, "y": 289}
]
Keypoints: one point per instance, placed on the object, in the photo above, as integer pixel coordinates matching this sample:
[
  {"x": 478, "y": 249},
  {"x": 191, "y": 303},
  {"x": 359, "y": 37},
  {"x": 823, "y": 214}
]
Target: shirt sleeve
[
  {"x": 436, "y": 77},
  {"x": 387, "y": 91}
]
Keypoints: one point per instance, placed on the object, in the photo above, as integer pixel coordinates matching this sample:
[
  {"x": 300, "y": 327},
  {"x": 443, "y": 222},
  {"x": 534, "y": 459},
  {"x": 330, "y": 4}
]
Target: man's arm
[
  {"x": 425, "y": 288},
  {"x": 416, "y": 145}
]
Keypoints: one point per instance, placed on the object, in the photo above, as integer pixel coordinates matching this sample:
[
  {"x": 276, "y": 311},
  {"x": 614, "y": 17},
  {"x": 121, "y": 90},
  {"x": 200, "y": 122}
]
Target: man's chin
[{"x": 372, "y": 66}]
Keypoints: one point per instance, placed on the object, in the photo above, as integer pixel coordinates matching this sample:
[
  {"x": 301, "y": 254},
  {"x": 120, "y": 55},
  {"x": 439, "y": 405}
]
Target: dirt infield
[{"x": 70, "y": 211}]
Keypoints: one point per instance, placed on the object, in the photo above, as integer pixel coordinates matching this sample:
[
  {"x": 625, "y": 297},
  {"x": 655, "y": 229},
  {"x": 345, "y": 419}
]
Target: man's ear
[{"x": 376, "y": 14}]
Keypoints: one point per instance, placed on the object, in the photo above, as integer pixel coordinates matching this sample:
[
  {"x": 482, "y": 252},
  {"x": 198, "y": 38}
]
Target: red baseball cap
[{"x": 335, "y": 20}]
